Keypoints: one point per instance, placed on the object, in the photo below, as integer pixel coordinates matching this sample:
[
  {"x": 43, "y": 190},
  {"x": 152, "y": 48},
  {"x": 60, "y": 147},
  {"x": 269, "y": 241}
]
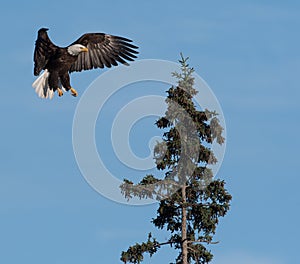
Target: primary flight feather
[{"x": 90, "y": 51}]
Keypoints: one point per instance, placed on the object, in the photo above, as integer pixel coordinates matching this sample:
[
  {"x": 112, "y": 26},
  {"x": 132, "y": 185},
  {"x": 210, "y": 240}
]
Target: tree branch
[{"x": 203, "y": 241}]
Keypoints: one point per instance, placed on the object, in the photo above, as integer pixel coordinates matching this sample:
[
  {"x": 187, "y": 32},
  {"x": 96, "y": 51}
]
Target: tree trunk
[{"x": 183, "y": 227}]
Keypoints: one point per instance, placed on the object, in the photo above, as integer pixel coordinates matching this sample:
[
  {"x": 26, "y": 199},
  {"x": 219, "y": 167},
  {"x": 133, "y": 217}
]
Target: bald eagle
[{"x": 91, "y": 50}]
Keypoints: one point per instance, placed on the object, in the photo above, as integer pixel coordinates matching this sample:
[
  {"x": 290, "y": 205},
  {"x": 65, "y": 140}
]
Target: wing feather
[
  {"x": 97, "y": 58},
  {"x": 94, "y": 56},
  {"x": 44, "y": 49},
  {"x": 129, "y": 54},
  {"x": 103, "y": 51},
  {"x": 105, "y": 58}
]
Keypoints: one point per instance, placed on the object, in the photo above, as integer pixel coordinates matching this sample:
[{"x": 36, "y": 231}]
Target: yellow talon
[
  {"x": 74, "y": 92},
  {"x": 60, "y": 92}
]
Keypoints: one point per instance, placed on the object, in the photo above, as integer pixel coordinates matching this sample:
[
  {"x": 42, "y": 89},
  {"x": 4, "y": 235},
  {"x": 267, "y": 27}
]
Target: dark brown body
[{"x": 58, "y": 67}]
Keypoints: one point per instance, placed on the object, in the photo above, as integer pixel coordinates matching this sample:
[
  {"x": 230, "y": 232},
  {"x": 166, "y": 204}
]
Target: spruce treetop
[{"x": 190, "y": 200}]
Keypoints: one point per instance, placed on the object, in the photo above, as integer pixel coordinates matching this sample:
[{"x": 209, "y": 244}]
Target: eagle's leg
[
  {"x": 74, "y": 92},
  {"x": 65, "y": 81},
  {"x": 59, "y": 92},
  {"x": 54, "y": 82}
]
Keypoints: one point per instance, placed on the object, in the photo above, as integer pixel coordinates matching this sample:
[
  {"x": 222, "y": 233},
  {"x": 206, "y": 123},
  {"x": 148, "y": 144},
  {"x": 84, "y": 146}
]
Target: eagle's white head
[{"x": 76, "y": 49}]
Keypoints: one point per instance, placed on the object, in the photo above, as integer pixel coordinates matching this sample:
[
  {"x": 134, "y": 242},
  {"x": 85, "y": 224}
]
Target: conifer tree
[{"x": 191, "y": 201}]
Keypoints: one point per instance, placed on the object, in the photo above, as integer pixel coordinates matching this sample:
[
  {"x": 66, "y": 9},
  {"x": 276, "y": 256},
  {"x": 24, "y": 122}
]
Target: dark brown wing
[
  {"x": 103, "y": 51},
  {"x": 44, "y": 49}
]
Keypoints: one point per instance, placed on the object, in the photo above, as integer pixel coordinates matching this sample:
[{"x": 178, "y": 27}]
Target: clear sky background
[{"x": 247, "y": 51}]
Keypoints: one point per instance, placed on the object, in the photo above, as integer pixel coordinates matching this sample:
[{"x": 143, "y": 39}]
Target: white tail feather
[{"x": 42, "y": 87}]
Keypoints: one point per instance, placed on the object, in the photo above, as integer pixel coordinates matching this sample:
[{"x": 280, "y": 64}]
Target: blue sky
[{"x": 247, "y": 51}]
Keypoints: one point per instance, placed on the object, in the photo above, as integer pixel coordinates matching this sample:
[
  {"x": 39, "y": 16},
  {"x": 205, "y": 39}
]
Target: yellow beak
[{"x": 85, "y": 49}]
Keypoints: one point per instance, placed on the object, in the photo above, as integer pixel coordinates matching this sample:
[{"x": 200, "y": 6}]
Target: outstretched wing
[
  {"x": 103, "y": 51},
  {"x": 44, "y": 49}
]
